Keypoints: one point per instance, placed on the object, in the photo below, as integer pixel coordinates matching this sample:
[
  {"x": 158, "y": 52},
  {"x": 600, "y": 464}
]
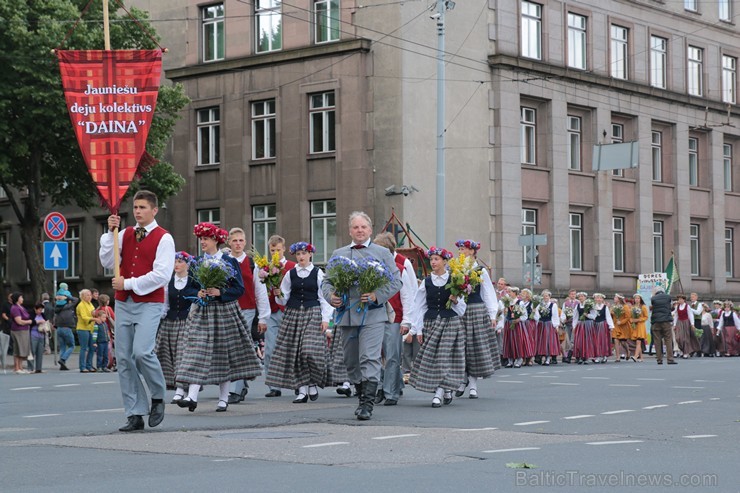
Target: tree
[{"x": 40, "y": 160}]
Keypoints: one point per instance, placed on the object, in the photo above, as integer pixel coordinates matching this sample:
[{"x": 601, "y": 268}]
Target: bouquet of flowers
[
  {"x": 269, "y": 270},
  {"x": 211, "y": 273},
  {"x": 536, "y": 303},
  {"x": 618, "y": 311},
  {"x": 543, "y": 309},
  {"x": 464, "y": 278},
  {"x": 588, "y": 305},
  {"x": 517, "y": 311},
  {"x": 508, "y": 301},
  {"x": 568, "y": 310},
  {"x": 699, "y": 333},
  {"x": 371, "y": 275},
  {"x": 342, "y": 273}
]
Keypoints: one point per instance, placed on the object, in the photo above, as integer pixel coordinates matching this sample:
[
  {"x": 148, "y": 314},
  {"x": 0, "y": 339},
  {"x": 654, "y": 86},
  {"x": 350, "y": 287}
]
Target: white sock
[
  {"x": 193, "y": 392},
  {"x": 223, "y": 391},
  {"x": 439, "y": 392},
  {"x": 473, "y": 383},
  {"x": 345, "y": 385},
  {"x": 303, "y": 390},
  {"x": 312, "y": 390},
  {"x": 518, "y": 361},
  {"x": 180, "y": 391},
  {"x": 547, "y": 360}
]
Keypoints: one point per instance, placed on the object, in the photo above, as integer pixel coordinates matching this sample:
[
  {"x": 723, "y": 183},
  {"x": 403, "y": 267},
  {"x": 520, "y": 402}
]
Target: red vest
[
  {"x": 683, "y": 314},
  {"x": 274, "y": 307},
  {"x": 395, "y": 300},
  {"x": 137, "y": 259},
  {"x": 247, "y": 301}
]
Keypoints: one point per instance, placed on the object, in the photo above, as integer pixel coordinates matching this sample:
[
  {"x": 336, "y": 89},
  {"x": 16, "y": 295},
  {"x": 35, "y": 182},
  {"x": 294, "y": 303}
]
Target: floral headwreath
[
  {"x": 599, "y": 295},
  {"x": 473, "y": 245},
  {"x": 302, "y": 245},
  {"x": 184, "y": 256},
  {"x": 209, "y": 230},
  {"x": 442, "y": 252}
]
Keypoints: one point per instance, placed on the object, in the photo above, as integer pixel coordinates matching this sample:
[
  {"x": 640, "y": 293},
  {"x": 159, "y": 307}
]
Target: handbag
[{"x": 44, "y": 327}]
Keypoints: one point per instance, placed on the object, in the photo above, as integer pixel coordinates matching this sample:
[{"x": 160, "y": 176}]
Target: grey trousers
[
  {"x": 249, "y": 314},
  {"x": 362, "y": 349},
  {"x": 273, "y": 324},
  {"x": 391, "y": 377}
]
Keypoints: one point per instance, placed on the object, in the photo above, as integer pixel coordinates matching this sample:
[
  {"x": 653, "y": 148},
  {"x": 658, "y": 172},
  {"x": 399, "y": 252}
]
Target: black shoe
[
  {"x": 220, "y": 408},
  {"x": 554, "y": 361},
  {"x": 672, "y": 362},
  {"x": 300, "y": 400},
  {"x": 62, "y": 365},
  {"x": 659, "y": 362},
  {"x": 156, "y": 415},
  {"x": 347, "y": 392},
  {"x": 447, "y": 399},
  {"x": 243, "y": 392},
  {"x": 274, "y": 393},
  {"x": 509, "y": 365},
  {"x": 313, "y": 397},
  {"x": 234, "y": 398},
  {"x": 191, "y": 405},
  {"x": 135, "y": 423},
  {"x": 390, "y": 402},
  {"x": 473, "y": 394},
  {"x": 436, "y": 402},
  {"x": 380, "y": 396},
  {"x": 176, "y": 398}
]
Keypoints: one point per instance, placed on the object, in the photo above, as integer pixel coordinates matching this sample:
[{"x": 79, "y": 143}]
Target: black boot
[
  {"x": 360, "y": 394},
  {"x": 367, "y": 401}
]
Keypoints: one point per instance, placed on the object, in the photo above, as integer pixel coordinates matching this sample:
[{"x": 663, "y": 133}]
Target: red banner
[{"x": 111, "y": 97}]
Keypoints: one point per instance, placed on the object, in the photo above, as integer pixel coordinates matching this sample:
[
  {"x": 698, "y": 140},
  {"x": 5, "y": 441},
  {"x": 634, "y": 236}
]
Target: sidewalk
[{"x": 49, "y": 364}]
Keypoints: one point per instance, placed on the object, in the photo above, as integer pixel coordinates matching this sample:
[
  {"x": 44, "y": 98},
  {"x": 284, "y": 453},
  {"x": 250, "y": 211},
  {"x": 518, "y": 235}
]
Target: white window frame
[
  {"x": 212, "y": 32},
  {"x": 694, "y": 241},
  {"x": 577, "y": 41},
  {"x": 617, "y": 138},
  {"x": 529, "y": 227},
  {"x": 323, "y": 222},
  {"x": 658, "y": 61},
  {"x": 575, "y": 226},
  {"x": 326, "y": 19},
  {"x": 574, "y": 142},
  {"x": 322, "y": 122},
  {"x": 727, "y": 165},
  {"x": 724, "y": 10},
  {"x": 74, "y": 251},
  {"x": 531, "y": 31},
  {"x": 268, "y": 20},
  {"x": 528, "y": 135},
  {"x": 695, "y": 71},
  {"x": 618, "y": 243},
  {"x": 729, "y": 252},
  {"x": 264, "y": 130},
  {"x": 691, "y": 5},
  {"x": 208, "y": 121},
  {"x": 212, "y": 216},
  {"x": 658, "y": 246},
  {"x": 619, "y": 51},
  {"x": 264, "y": 225},
  {"x": 656, "y": 145},
  {"x": 729, "y": 79},
  {"x": 693, "y": 161}
]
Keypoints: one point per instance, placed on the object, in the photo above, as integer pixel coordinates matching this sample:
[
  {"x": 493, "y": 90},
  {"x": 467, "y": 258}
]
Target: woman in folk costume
[
  {"x": 638, "y": 328},
  {"x": 482, "y": 355},
  {"x": 530, "y": 324},
  {"x": 218, "y": 347},
  {"x": 603, "y": 325},
  {"x": 547, "y": 318},
  {"x": 518, "y": 344},
  {"x": 583, "y": 329},
  {"x": 683, "y": 325},
  {"x": 180, "y": 293},
  {"x": 728, "y": 327},
  {"x": 717, "y": 308},
  {"x": 706, "y": 343},
  {"x": 621, "y": 315},
  {"x": 440, "y": 365},
  {"x": 299, "y": 359}
]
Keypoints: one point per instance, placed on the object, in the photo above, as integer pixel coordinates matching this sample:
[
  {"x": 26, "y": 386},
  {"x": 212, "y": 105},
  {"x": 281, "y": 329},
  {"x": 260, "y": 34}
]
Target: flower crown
[
  {"x": 442, "y": 252},
  {"x": 302, "y": 245},
  {"x": 209, "y": 230},
  {"x": 184, "y": 256},
  {"x": 473, "y": 245}
]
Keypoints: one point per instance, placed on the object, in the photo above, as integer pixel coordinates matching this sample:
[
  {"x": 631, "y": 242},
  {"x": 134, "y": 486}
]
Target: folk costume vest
[
  {"x": 137, "y": 259},
  {"x": 395, "y": 300},
  {"x": 304, "y": 292}
]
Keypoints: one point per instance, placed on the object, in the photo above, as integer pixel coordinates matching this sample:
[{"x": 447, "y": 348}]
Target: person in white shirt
[
  {"x": 546, "y": 335},
  {"x": 683, "y": 327}
]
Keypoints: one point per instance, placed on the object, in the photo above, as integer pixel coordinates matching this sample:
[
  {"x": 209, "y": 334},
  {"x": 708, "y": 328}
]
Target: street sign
[
  {"x": 532, "y": 254},
  {"x": 55, "y": 226},
  {"x": 56, "y": 255},
  {"x": 527, "y": 272},
  {"x": 532, "y": 240}
]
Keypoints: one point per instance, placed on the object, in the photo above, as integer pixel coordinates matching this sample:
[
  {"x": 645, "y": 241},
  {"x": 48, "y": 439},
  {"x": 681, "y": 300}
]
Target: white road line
[
  {"x": 13, "y": 430},
  {"x": 580, "y": 416},
  {"x": 615, "y": 442},
  {"x": 652, "y": 379},
  {"x": 511, "y": 381},
  {"x": 97, "y": 411},
  {"x": 624, "y": 385},
  {"x": 545, "y": 376},
  {"x": 68, "y": 385},
  {"x": 103, "y": 383},
  {"x": 328, "y": 444},
  {"x": 656, "y": 406},
  {"x": 709, "y": 381},
  {"x": 26, "y": 388},
  {"x": 680, "y": 387},
  {"x": 563, "y": 383},
  {"x": 390, "y": 437},
  {"x": 510, "y": 450},
  {"x": 714, "y": 398},
  {"x": 595, "y": 378},
  {"x": 477, "y": 429},
  {"x": 699, "y": 436},
  {"x": 688, "y": 402},
  {"x": 41, "y": 415},
  {"x": 223, "y": 460},
  {"x": 527, "y": 423},
  {"x": 620, "y": 411}
]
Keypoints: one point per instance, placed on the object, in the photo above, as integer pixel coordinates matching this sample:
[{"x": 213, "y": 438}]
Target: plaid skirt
[
  {"x": 546, "y": 340},
  {"x": 336, "y": 370},
  {"x": 300, "y": 353},
  {"x": 217, "y": 346},
  {"x": 441, "y": 359},
  {"x": 170, "y": 337},
  {"x": 583, "y": 339},
  {"x": 686, "y": 337},
  {"x": 517, "y": 341},
  {"x": 481, "y": 347}
]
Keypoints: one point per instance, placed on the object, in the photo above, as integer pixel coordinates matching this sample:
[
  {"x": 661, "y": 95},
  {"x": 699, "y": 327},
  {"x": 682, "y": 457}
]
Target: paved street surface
[{"x": 610, "y": 427}]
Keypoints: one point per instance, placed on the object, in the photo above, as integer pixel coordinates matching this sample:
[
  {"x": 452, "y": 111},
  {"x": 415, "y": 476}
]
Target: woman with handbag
[{"x": 38, "y": 339}]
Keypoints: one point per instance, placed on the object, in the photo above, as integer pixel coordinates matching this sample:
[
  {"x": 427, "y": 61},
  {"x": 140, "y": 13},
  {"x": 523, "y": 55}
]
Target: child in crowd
[
  {"x": 101, "y": 339},
  {"x": 63, "y": 294}
]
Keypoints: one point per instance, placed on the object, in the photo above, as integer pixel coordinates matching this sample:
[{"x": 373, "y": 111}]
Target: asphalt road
[{"x": 611, "y": 427}]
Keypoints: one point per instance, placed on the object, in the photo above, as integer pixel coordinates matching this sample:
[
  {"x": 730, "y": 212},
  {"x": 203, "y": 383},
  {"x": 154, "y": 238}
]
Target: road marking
[
  {"x": 527, "y": 423},
  {"x": 615, "y": 442},
  {"x": 580, "y": 416},
  {"x": 511, "y": 381},
  {"x": 714, "y": 398},
  {"x": 328, "y": 444},
  {"x": 545, "y": 376},
  {"x": 656, "y": 406},
  {"x": 390, "y": 437},
  {"x": 477, "y": 429},
  {"x": 103, "y": 383},
  {"x": 68, "y": 385},
  {"x": 97, "y": 411},
  {"x": 223, "y": 460},
  {"x": 621, "y": 411},
  {"x": 41, "y": 415},
  {"x": 26, "y": 388},
  {"x": 595, "y": 378},
  {"x": 699, "y": 436},
  {"x": 652, "y": 379},
  {"x": 510, "y": 450},
  {"x": 563, "y": 383},
  {"x": 624, "y": 385},
  {"x": 13, "y": 430},
  {"x": 709, "y": 381},
  {"x": 680, "y": 387},
  {"x": 688, "y": 402}
]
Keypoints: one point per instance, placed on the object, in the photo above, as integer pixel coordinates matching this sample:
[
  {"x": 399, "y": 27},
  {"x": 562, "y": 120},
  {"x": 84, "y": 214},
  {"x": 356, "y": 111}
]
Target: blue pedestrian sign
[{"x": 56, "y": 255}]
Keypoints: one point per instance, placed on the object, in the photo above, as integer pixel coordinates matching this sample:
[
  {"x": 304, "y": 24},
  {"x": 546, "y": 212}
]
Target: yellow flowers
[{"x": 464, "y": 276}]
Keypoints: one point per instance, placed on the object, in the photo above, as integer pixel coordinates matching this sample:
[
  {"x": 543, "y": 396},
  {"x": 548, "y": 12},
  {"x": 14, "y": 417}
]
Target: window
[
  {"x": 323, "y": 229},
  {"x": 529, "y": 227},
  {"x": 619, "y": 52},
  {"x": 532, "y": 30},
  {"x": 326, "y": 20},
  {"x": 695, "y": 71},
  {"x": 691, "y": 5},
  {"x": 694, "y": 241},
  {"x": 264, "y": 225},
  {"x": 618, "y": 243},
  {"x": 574, "y": 142},
  {"x": 617, "y": 138},
  {"x": 576, "y": 241},
  {"x": 658, "y": 60},
  {"x": 693, "y": 161},
  {"x": 727, "y": 165},
  {"x": 75, "y": 255},
  {"x": 729, "y": 252},
  {"x": 322, "y": 109},
  {"x": 3, "y": 256},
  {"x": 729, "y": 79},
  {"x": 576, "y": 41},
  {"x": 212, "y": 18},
  {"x": 209, "y": 129},
  {"x": 529, "y": 139},
  {"x": 269, "y": 29},
  {"x": 263, "y": 129},
  {"x": 657, "y": 156},
  {"x": 212, "y": 216},
  {"x": 724, "y": 10},
  {"x": 658, "y": 246}
]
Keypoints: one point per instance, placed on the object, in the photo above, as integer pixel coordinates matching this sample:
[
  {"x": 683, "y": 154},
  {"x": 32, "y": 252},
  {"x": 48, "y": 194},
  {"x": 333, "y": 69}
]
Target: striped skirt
[
  {"x": 730, "y": 344},
  {"x": 170, "y": 337},
  {"x": 583, "y": 339},
  {"x": 686, "y": 337},
  {"x": 300, "y": 353},
  {"x": 217, "y": 346},
  {"x": 481, "y": 347},
  {"x": 517, "y": 340},
  {"x": 441, "y": 359},
  {"x": 602, "y": 339},
  {"x": 546, "y": 341},
  {"x": 336, "y": 371}
]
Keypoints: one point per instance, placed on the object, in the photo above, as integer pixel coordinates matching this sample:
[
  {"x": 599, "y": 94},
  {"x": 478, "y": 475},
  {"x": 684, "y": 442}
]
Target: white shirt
[
  {"x": 488, "y": 293},
  {"x": 303, "y": 272},
  {"x": 180, "y": 283},
  {"x": 721, "y": 319},
  {"x": 554, "y": 318},
  {"x": 164, "y": 262},
  {"x": 409, "y": 287},
  {"x": 260, "y": 292},
  {"x": 420, "y": 303}
]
